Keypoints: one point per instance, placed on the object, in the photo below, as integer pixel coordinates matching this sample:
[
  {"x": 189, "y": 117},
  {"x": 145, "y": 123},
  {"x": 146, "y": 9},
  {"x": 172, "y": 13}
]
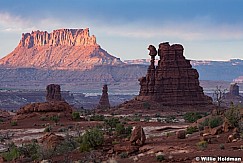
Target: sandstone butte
[
  {"x": 173, "y": 81},
  {"x": 61, "y": 49}
]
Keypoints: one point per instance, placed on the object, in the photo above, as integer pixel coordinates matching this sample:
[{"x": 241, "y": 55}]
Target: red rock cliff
[{"x": 61, "y": 49}]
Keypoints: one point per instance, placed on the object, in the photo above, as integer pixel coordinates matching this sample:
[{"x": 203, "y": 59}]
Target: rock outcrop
[
  {"x": 233, "y": 95},
  {"x": 54, "y": 105},
  {"x": 53, "y": 93},
  {"x": 138, "y": 136},
  {"x": 61, "y": 49},
  {"x": 173, "y": 82},
  {"x": 104, "y": 100}
]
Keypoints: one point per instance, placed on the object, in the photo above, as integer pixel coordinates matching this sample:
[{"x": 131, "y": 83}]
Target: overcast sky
[{"x": 208, "y": 29}]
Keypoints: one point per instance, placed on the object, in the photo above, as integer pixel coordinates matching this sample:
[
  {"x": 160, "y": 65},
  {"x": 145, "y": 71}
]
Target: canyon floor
[{"x": 160, "y": 128}]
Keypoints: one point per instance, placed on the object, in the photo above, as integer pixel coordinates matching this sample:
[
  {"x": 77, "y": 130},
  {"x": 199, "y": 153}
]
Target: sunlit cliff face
[{"x": 60, "y": 49}]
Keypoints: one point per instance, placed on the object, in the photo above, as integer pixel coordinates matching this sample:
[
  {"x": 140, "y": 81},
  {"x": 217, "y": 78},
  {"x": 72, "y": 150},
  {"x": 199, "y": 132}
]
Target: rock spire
[
  {"x": 53, "y": 93},
  {"x": 174, "y": 81},
  {"x": 104, "y": 100}
]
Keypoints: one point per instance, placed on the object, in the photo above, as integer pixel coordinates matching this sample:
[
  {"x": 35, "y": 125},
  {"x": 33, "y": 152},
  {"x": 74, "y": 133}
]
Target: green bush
[
  {"x": 221, "y": 146},
  {"x": 146, "y": 105},
  {"x": 30, "y": 150},
  {"x": 202, "y": 145},
  {"x": 215, "y": 121},
  {"x": 190, "y": 130},
  {"x": 75, "y": 115},
  {"x": 160, "y": 158},
  {"x": 170, "y": 119},
  {"x": 91, "y": 139},
  {"x": 233, "y": 116},
  {"x": 12, "y": 154},
  {"x": 97, "y": 118},
  {"x": 120, "y": 129},
  {"x": 211, "y": 122},
  {"x": 55, "y": 118},
  {"x": 111, "y": 123},
  {"x": 123, "y": 155},
  {"x": 14, "y": 123},
  {"x": 192, "y": 117}
]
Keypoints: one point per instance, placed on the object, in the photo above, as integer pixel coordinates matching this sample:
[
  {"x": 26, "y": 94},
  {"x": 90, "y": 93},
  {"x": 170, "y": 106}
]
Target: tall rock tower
[
  {"x": 104, "y": 100},
  {"x": 173, "y": 82}
]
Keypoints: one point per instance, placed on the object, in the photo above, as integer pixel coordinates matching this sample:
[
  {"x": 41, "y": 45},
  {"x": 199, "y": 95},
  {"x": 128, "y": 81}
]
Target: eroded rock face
[
  {"x": 61, "y": 49},
  {"x": 51, "y": 140},
  {"x": 173, "y": 81},
  {"x": 53, "y": 93},
  {"x": 70, "y": 37},
  {"x": 104, "y": 100}
]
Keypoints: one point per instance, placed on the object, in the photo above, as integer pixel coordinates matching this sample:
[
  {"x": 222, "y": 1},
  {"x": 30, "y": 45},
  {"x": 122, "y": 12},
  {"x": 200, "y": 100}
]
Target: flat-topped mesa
[
  {"x": 68, "y": 37},
  {"x": 174, "y": 81}
]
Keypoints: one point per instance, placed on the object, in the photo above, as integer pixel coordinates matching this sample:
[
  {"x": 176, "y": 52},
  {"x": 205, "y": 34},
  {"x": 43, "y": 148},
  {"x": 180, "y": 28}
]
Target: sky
[{"x": 208, "y": 29}]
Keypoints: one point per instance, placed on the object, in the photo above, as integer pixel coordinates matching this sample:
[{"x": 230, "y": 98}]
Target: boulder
[
  {"x": 181, "y": 134},
  {"x": 217, "y": 130},
  {"x": 226, "y": 126},
  {"x": 51, "y": 140},
  {"x": 138, "y": 136}
]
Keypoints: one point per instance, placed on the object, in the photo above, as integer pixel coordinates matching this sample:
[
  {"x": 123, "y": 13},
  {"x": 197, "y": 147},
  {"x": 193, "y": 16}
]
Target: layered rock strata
[
  {"x": 61, "y": 49},
  {"x": 104, "y": 100},
  {"x": 173, "y": 81}
]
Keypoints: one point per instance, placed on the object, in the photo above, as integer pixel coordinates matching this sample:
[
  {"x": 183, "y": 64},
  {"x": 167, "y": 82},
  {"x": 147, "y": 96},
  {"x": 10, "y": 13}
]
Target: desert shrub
[
  {"x": 75, "y": 115},
  {"x": 97, "y": 118},
  {"x": 211, "y": 122},
  {"x": 123, "y": 131},
  {"x": 215, "y": 121},
  {"x": 192, "y": 117},
  {"x": 191, "y": 129},
  {"x": 111, "y": 123},
  {"x": 170, "y": 119},
  {"x": 146, "y": 119},
  {"x": 12, "y": 154},
  {"x": 136, "y": 119},
  {"x": 221, "y": 146},
  {"x": 123, "y": 155},
  {"x": 202, "y": 145},
  {"x": 91, "y": 139},
  {"x": 1, "y": 120},
  {"x": 55, "y": 118},
  {"x": 47, "y": 129},
  {"x": 146, "y": 105},
  {"x": 233, "y": 116},
  {"x": 13, "y": 123},
  {"x": 62, "y": 129},
  {"x": 30, "y": 150},
  {"x": 68, "y": 145},
  {"x": 120, "y": 129},
  {"x": 160, "y": 158},
  {"x": 43, "y": 118}
]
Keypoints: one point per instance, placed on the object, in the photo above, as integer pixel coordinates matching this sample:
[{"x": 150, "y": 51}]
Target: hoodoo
[
  {"x": 173, "y": 81},
  {"x": 104, "y": 100}
]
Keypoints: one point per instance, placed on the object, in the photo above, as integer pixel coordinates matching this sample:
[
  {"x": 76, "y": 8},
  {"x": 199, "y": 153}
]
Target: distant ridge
[{"x": 62, "y": 49}]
